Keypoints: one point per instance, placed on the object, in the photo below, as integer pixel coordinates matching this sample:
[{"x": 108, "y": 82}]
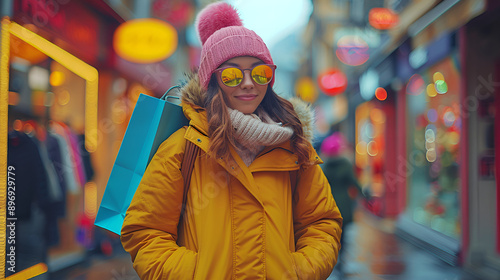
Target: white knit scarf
[{"x": 256, "y": 131}]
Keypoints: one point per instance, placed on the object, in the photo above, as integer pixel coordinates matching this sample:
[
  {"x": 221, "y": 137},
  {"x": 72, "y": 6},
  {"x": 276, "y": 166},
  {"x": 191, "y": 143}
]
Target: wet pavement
[{"x": 372, "y": 251}]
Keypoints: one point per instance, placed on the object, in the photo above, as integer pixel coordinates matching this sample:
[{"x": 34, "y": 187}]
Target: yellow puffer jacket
[{"x": 240, "y": 222}]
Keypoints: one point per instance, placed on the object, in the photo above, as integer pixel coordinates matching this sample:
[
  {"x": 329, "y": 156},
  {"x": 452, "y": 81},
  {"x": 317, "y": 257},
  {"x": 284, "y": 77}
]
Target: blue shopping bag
[{"x": 153, "y": 121}]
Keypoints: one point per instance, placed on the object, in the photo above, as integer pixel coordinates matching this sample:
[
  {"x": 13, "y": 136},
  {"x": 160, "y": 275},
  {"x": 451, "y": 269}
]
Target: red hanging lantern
[
  {"x": 332, "y": 82},
  {"x": 383, "y": 18}
]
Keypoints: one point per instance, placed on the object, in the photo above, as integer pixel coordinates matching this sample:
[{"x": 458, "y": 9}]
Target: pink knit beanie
[{"x": 223, "y": 37}]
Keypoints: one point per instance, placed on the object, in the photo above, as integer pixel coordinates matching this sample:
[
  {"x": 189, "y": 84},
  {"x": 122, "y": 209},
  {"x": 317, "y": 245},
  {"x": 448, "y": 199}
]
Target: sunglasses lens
[
  {"x": 262, "y": 74},
  {"x": 231, "y": 76}
]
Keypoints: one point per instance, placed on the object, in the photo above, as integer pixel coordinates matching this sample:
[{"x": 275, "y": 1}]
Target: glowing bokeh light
[
  {"x": 361, "y": 148},
  {"x": 368, "y": 83},
  {"x": 432, "y": 115},
  {"x": 430, "y": 135},
  {"x": 368, "y": 130},
  {"x": 306, "y": 90},
  {"x": 352, "y": 50},
  {"x": 332, "y": 82},
  {"x": 56, "y": 78},
  {"x": 17, "y": 125},
  {"x": 430, "y": 155},
  {"x": 441, "y": 86},
  {"x": 38, "y": 78},
  {"x": 377, "y": 116},
  {"x": 431, "y": 90},
  {"x": 372, "y": 148},
  {"x": 415, "y": 85},
  {"x": 437, "y": 76},
  {"x": 418, "y": 57},
  {"x": 63, "y": 97},
  {"x": 383, "y": 18},
  {"x": 381, "y": 93},
  {"x": 449, "y": 117}
]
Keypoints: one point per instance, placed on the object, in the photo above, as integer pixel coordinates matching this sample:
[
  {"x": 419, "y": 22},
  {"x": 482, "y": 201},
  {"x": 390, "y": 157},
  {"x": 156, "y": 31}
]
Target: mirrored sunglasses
[{"x": 232, "y": 76}]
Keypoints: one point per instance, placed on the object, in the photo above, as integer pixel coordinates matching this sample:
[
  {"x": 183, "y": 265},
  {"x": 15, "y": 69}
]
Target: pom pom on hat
[
  {"x": 214, "y": 17},
  {"x": 223, "y": 37}
]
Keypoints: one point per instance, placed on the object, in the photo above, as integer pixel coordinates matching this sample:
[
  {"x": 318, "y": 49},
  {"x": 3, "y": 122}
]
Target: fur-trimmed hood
[{"x": 192, "y": 92}]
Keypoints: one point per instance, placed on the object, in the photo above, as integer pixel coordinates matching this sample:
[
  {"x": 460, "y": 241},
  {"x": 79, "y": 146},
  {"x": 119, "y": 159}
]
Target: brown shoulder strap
[
  {"x": 187, "y": 168},
  {"x": 293, "y": 180},
  {"x": 293, "y": 183}
]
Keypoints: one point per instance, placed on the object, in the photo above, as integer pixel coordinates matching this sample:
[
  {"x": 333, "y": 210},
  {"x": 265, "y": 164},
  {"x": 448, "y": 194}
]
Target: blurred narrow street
[{"x": 373, "y": 251}]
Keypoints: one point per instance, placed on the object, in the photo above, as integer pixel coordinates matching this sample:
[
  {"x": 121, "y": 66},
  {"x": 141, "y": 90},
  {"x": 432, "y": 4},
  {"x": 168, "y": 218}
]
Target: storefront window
[{"x": 433, "y": 127}]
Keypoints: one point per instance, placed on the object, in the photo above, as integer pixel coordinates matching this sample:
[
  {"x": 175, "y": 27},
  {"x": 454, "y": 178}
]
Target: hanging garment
[
  {"x": 32, "y": 197},
  {"x": 87, "y": 164},
  {"x": 60, "y": 129},
  {"x": 77, "y": 157},
  {"x": 31, "y": 186},
  {"x": 66, "y": 164},
  {"x": 55, "y": 193},
  {"x": 54, "y": 151}
]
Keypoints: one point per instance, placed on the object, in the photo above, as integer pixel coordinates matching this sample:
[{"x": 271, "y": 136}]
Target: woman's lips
[{"x": 246, "y": 97}]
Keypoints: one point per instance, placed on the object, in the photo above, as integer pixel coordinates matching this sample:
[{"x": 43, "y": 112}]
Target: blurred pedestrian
[
  {"x": 343, "y": 182},
  {"x": 259, "y": 205}
]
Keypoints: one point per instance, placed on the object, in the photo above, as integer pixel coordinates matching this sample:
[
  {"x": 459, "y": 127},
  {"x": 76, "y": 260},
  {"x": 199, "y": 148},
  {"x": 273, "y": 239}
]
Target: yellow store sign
[{"x": 145, "y": 40}]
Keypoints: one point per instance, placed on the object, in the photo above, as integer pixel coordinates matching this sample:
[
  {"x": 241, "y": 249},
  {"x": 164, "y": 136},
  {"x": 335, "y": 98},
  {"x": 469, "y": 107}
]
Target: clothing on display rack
[{"x": 32, "y": 198}]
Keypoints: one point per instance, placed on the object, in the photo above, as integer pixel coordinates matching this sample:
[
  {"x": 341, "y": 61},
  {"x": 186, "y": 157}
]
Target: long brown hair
[{"x": 221, "y": 132}]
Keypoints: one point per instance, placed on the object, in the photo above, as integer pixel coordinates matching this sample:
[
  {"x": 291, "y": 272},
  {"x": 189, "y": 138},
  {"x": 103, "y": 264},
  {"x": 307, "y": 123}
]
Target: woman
[{"x": 243, "y": 218}]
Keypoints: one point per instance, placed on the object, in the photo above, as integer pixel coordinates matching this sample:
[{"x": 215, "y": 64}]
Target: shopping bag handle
[{"x": 165, "y": 96}]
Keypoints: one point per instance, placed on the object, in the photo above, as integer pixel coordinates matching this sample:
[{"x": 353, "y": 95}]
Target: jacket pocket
[
  {"x": 181, "y": 263},
  {"x": 292, "y": 272},
  {"x": 303, "y": 268}
]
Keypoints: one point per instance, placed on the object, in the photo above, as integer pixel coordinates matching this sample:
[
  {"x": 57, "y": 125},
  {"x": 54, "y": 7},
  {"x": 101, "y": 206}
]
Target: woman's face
[{"x": 246, "y": 96}]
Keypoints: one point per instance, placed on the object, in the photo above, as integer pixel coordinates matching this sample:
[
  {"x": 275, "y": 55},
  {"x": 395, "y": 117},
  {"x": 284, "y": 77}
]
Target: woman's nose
[{"x": 247, "y": 80}]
